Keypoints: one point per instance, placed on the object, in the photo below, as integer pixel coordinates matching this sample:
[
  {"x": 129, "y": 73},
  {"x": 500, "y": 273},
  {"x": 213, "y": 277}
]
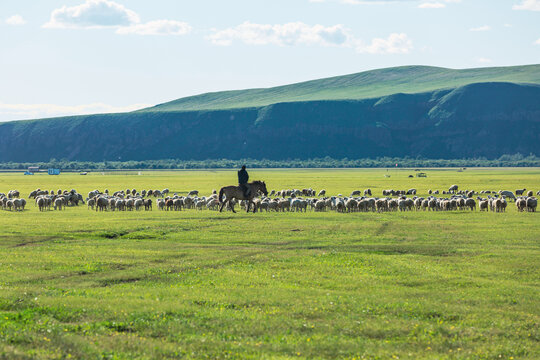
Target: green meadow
[{"x": 79, "y": 284}]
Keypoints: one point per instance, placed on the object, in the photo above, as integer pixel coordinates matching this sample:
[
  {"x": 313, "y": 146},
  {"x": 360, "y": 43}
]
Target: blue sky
[{"x": 61, "y": 57}]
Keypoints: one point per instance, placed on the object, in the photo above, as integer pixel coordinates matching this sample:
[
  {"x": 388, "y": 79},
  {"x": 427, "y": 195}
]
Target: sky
[{"x": 66, "y": 57}]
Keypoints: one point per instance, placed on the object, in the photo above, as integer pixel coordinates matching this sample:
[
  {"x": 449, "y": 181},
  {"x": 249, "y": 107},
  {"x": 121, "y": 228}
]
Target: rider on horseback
[{"x": 243, "y": 178}]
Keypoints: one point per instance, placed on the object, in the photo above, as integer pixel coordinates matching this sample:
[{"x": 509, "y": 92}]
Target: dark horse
[{"x": 235, "y": 192}]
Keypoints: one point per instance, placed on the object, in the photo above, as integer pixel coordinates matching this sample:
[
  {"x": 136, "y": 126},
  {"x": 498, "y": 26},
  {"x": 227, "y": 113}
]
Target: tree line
[{"x": 516, "y": 160}]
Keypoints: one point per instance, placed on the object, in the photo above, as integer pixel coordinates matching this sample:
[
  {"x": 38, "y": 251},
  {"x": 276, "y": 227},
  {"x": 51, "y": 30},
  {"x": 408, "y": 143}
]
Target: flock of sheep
[{"x": 284, "y": 200}]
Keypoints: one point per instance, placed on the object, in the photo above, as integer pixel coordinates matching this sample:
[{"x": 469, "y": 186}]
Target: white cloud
[
  {"x": 483, "y": 60},
  {"x": 537, "y": 42},
  {"x": 531, "y": 5},
  {"x": 393, "y": 44},
  {"x": 92, "y": 14},
  {"x": 432, "y": 5},
  {"x": 481, "y": 28},
  {"x": 507, "y": 25},
  {"x": 298, "y": 33},
  {"x": 15, "y": 20},
  {"x": 96, "y": 14},
  {"x": 282, "y": 34},
  {"x": 35, "y": 111},
  {"x": 156, "y": 27}
]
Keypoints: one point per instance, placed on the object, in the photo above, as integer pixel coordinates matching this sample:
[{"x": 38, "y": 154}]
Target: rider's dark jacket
[{"x": 243, "y": 177}]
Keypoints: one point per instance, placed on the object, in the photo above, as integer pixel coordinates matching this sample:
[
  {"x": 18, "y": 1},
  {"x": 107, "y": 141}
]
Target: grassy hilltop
[
  {"x": 368, "y": 84},
  {"x": 200, "y": 284}
]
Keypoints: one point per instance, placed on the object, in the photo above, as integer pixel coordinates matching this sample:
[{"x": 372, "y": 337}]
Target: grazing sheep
[
  {"x": 188, "y": 202},
  {"x": 504, "y": 204},
  {"x": 17, "y": 204},
  {"x": 356, "y": 193},
  {"x": 284, "y": 204},
  {"x": 381, "y": 205},
  {"x": 121, "y": 204},
  {"x": 148, "y": 204},
  {"x": 130, "y": 204},
  {"x": 519, "y": 192},
  {"x": 340, "y": 206},
  {"x": 91, "y": 203},
  {"x": 453, "y": 188},
  {"x": 531, "y": 204},
  {"x": 507, "y": 194},
  {"x": 320, "y": 205},
  {"x": 161, "y": 204},
  {"x": 58, "y": 204},
  {"x": 42, "y": 203},
  {"x": 264, "y": 206},
  {"x": 213, "y": 204},
  {"x": 497, "y": 205},
  {"x": 13, "y": 194},
  {"x": 521, "y": 204},
  {"x": 101, "y": 203},
  {"x": 470, "y": 203},
  {"x": 273, "y": 205},
  {"x": 530, "y": 193},
  {"x": 432, "y": 205},
  {"x": 112, "y": 204},
  {"x": 138, "y": 204},
  {"x": 322, "y": 193},
  {"x": 351, "y": 205},
  {"x": 193, "y": 193}
]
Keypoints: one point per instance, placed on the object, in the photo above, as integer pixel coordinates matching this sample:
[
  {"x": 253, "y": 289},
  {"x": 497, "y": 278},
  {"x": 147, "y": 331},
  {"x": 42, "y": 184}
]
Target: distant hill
[
  {"x": 368, "y": 84},
  {"x": 486, "y": 119}
]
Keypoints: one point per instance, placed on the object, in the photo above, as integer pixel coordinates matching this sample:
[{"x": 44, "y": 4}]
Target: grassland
[
  {"x": 367, "y": 84},
  {"x": 86, "y": 285}
]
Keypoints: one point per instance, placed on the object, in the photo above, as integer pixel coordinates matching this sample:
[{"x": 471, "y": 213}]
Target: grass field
[
  {"x": 85, "y": 285},
  {"x": 363, "y": 85}
]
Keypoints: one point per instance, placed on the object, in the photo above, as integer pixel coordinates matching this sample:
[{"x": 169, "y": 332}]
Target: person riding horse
[{"x": 243, "y": 178}]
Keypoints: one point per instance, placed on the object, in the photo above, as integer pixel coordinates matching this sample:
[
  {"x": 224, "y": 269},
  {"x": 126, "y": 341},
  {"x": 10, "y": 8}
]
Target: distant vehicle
[
  {"x": 84, "y": 173},
  {"x": 54, "y": 171},
  {"x": 421, "y": 174},
  {"x": 28, "y": 173},
  {"x": 411, "y": 176}
]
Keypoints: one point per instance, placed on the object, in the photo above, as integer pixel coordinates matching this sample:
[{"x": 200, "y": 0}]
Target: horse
[{"x": 235, "y": 192}]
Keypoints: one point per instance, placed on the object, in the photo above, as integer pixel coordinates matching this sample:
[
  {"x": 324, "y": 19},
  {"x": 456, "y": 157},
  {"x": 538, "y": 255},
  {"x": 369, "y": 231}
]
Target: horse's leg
[
  {"x": 248, "y": 205},
  {"x": 223, "y": 204},
  {"x": 232, "y": 207}
]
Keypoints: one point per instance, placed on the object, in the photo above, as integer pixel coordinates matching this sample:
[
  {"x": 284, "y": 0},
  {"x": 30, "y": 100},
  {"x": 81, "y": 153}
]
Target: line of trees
[{"x": 516, "y": 160}]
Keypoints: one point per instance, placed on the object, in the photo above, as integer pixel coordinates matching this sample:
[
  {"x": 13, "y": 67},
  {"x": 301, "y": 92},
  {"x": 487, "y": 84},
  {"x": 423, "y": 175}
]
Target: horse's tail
[{"x": 221, "y": 195}]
